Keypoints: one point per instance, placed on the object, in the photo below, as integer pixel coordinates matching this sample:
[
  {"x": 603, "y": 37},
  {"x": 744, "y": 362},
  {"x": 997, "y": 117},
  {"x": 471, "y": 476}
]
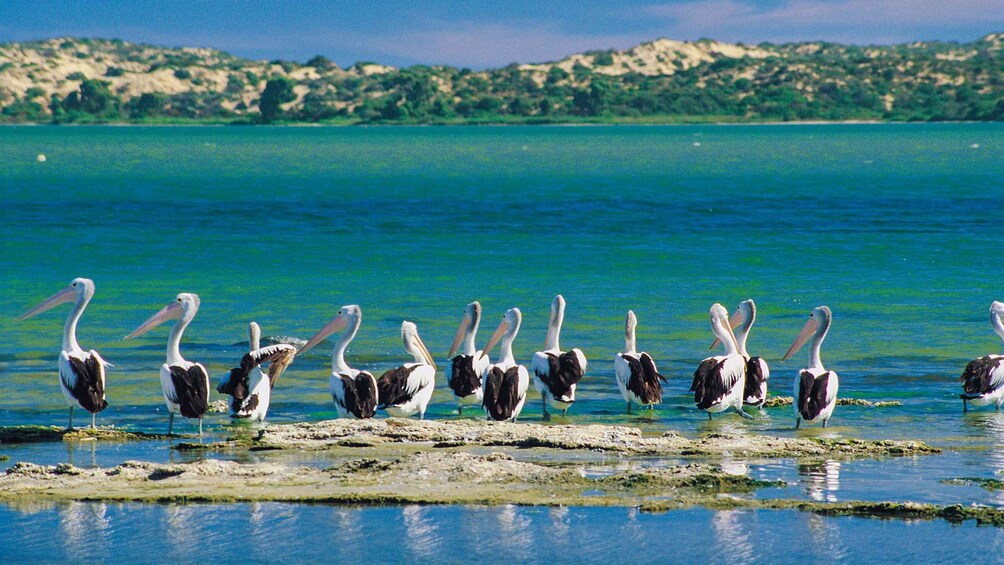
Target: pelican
[
  {"x": 815, "y": 388},
  {"x": 81, "y": 373},
  {"x": 719, "y": 381},
  {"x": 250, "y": 388},
  {"x": 463, "y": 374},
  {"x": 757, "y": 371},
  {"x": 506, "y": 382},
  {"x": 185, "y": 384},
  {"x": 555, "y": 373},
  {"x": 354, "y": 391},
  {"x": 983, "y": 379},
  {"x": 637, "y": 377},
  {"x": 407, "y": 389}
]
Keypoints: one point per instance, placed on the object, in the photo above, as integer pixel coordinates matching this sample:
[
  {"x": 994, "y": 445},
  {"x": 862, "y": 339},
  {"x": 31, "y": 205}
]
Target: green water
[{"x": 895, "y": 227}]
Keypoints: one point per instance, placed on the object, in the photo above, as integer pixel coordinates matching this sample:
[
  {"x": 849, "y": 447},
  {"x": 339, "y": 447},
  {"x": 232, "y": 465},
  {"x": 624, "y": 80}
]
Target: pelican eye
[{"x": 74, "y": 284}]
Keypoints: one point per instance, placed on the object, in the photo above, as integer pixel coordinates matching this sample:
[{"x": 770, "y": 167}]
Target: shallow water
[
  {"x": 892, "y": 226},
  {"x": 269, "y": 532}
]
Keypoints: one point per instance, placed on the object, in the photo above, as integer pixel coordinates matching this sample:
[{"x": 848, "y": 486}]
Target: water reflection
[
  {"x": 348, "y": 535},
  {"x": 82, "y": 454},
  {"x": 822, "y": 479},
  {"x": 421, "y": 531},
  {"x": 827, "y": 538},
  {"x": 732, "y": 533},
  {"x": 989, "y": 425},
  {"x": 84, "y": 529},
  {"x": 560, "y": 525}
]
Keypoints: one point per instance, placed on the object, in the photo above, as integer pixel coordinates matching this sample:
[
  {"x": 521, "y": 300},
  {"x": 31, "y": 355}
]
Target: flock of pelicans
[{"x": 732, "y": 380}]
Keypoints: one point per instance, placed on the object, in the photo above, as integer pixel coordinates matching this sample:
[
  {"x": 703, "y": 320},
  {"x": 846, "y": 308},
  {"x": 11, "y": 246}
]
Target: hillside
[{"x": 95, "y": 80}]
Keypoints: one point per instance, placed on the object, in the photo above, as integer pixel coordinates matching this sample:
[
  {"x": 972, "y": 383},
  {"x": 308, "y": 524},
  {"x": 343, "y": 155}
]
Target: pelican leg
[
  {"x": 965, "y": 406},
  {"x": 70, "y": 426},
  {"x": 564, "y": 412},
  {"x": 93, "y": 417},
  {"x": 629, "y": 407},
  {"x": 651, "y": 406},
  {"x": 460, "y": 410},
  {"x": 744, "y": 414},
  {"x": 709, "y": 415},
  {"x": 200, "y": 427},
  {"x": 825, "y": 422},
  {"x": 421, "y": 415},
  {"x": 543, "y": 404},
  {"x": 798, "y": 422},
  {"x": 170, "y": 424}
]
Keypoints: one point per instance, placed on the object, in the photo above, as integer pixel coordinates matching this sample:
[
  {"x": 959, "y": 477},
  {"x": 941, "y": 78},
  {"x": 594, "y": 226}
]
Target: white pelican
[
  {"x": 407, "y": 389},
  {"x": 757, "y": 371},
  {"x": 81, "y": 373},
  {"x": 185, "y": 384},
  {"x": 506, "y": 382},
  {"x": 719, "y": 381},
  {"x": 815, "y": 388},
  {"x": 464, "y": 371},
  {"x": 555, "y": 373},
  {"x": 637, "y": 377},
  {"x": 354, "y": 391},
  {"x": 983, "y": 379},
  {"x": 247, "y": 384}
]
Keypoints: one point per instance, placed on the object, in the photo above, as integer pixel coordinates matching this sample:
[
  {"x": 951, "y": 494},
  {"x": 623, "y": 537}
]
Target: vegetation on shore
[{"x": 111, "y": 81}]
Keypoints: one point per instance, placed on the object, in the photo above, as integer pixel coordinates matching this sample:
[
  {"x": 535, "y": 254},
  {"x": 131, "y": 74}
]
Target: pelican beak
[
  {"x": 425, "y": 351},
  {"x": 339, "y": 323},
  {"x": 460, "y": 335},
  {"x": 499, "y": 332},
  {"x": 68, "y": 294},
  {"x": 734, "y": 320},
  {"x": 808, "y": 329},
  {"x": 170, "y": 312}
]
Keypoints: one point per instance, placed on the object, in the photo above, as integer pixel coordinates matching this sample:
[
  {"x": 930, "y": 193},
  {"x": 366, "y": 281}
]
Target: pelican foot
[
  {"x": 826, "y": 422},
  {"x": 798, "y": 422},
  {"x": 709, "y": 415},
  {"x": 744, "y": 414},
  {"x": 628, "y": 407}
]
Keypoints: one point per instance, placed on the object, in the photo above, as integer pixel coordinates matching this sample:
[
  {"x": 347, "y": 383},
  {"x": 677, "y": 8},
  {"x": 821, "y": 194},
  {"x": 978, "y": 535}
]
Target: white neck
[
  {"x": 726, "y": 337},
  {"x": 254, "y": 340},
  {"x": 815, "y": 361},
  {"x": 174, "y": 340},
  {"x": 415, "y": 352},
  {"x": 338, "y": 363},
  {"x": 70, "y": 329},
  {"x": 629, "y": 341},
  {"x": 505, "y": 351},
  {"x": 995, "y": 323},
  {"x": 554, "y": 330},
  {"x": 470, "y": 348},
  {"x": 742, "y": 332}
]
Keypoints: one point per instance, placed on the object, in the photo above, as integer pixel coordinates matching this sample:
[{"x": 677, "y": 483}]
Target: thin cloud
[{"x": 854, "y": 21}]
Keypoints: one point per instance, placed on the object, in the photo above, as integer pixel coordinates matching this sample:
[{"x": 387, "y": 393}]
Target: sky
[{"x": 487, "y": 33}]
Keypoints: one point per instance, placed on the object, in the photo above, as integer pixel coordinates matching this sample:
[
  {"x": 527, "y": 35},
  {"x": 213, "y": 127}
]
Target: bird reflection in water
[
  {"x": 84, "y": 527},
  {"x": 733, "y": 535},
  {"x": 422, "y": 531},
  {"x": 822, "y": 480}
]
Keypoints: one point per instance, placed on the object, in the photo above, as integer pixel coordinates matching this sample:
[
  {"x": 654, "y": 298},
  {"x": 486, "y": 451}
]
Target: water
[{"x": 893, "y": 226}]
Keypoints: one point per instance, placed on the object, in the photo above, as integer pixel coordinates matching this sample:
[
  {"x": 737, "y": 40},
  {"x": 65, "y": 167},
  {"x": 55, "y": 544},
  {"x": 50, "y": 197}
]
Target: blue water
[
  {"x": 275, "y": 532},
  {"x": 893, "y": 226}
]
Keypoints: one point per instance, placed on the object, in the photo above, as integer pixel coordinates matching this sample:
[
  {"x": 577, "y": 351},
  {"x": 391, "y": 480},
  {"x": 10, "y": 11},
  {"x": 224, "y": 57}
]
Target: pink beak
[
  {"x": 499, "y": 332},
  {"x": 460, "y": 336},
  {"x": 808, "y": 330},
  {"x": 68, "y": 294},
  {"x": 170, "y": 312},
  {"x": 339, "y": 323}
]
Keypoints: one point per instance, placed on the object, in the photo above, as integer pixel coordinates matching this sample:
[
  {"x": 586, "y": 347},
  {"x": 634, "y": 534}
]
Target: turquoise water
[{"x": 895, "y": 227}]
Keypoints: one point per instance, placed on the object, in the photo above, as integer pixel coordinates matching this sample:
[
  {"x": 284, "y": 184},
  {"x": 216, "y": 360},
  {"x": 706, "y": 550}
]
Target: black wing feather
[
  {"x": 812, "y": 394},
  {"x": 88, "y": 390},
  {"x": 754, "y": 379},
  {"x": 563, "y": 372},
  {"x": 392, "y": 386},
  {"x": 976, "y": 377},
  {"x": 192, "y": 388},
  {"x": 464, "y": 380},
  {"x": 501, "y": 393},
  {"x": 360, "y": 394},
  {"x": 707, "y": 386}
]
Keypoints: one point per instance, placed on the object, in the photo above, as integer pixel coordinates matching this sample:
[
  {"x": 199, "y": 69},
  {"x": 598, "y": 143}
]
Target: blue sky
[{"x": 484, "y": 33}]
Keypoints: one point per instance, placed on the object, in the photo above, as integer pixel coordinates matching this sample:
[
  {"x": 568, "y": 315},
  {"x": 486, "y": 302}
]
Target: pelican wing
[
  {"x": 398, "y": 385},
  {"x": 358, "y": 395},
  {"x": 982, "y": 376},
  {"x": 503, "y": 391},
  {"x": 464, "y": 379},
  {"x": 191, "y": 386},
  {"x": 812, "y": 394},
  {"x": 88, "y": 381}
]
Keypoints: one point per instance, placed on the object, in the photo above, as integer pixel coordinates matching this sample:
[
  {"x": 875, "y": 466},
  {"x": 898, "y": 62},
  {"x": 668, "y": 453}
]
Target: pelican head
[
  {"x": 347, "y": 316},
  {"x": 508, "y": 327},
  {"x": 996, "y": 308},
  {"x": 183, "y": 307},
  {"x": 413, "y": 344},
  {"x": 720, "y": 325},
  {"x": 745, "y": 311},
  {"x": 817, "y": 324},
  {"x": 79, "y": 290},
  {"x": 630, "y": 323},
  {"x": 472, "y": 318}
]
